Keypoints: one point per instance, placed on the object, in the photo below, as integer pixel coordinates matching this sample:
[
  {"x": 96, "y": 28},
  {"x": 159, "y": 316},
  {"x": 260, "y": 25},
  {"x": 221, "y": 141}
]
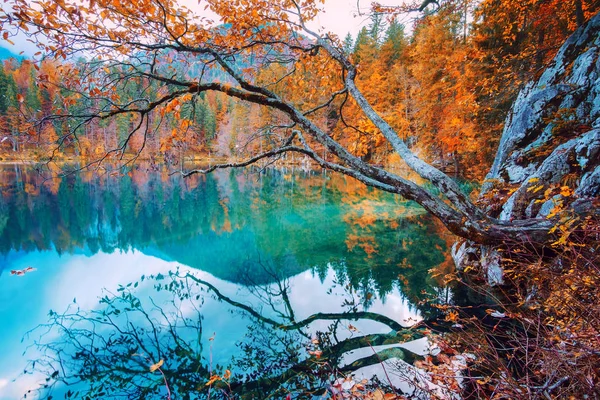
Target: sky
[{"x": 340, "y": 17}]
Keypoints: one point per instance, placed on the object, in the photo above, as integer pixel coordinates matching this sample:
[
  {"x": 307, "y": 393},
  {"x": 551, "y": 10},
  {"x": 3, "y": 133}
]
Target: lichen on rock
[{"x": 549, "y": 152}]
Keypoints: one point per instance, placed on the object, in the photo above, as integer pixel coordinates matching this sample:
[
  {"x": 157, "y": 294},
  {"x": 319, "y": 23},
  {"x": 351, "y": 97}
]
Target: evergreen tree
[
  {"x": 210, "y": 123},
  {"x": 32, "y": 97},
  {"x": 394, "y": 43},
  {"x": 348, "y": 44},
  {"x": 376, "y": 27},
  {"x": 363, "y": 43},
  {"x": 3, "y": 89},
  {"x": 8, "y": 91}
]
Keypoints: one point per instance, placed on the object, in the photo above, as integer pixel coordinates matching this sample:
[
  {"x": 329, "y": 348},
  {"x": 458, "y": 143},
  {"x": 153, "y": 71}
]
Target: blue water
[{"x": 286, "y": 245}]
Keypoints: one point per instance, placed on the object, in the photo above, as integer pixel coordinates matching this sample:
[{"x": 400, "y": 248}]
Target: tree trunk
[{"x": 579, "y": 17}]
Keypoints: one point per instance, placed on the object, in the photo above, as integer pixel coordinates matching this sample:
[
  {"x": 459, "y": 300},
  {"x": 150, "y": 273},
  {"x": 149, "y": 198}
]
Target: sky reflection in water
[{"x": 328, "y": 238}]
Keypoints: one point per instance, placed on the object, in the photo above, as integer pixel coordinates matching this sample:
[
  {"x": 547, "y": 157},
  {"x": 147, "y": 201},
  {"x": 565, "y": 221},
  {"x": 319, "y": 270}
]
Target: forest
[
  {"x": 484, "y": 113},
  {"x": 452, "y": 115}
]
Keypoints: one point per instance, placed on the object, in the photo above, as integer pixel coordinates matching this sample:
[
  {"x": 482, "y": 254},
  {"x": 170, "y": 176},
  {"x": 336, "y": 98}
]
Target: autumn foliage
[
  {"x": 446, "y": 87},
  {"x": 162, "y": 82}
]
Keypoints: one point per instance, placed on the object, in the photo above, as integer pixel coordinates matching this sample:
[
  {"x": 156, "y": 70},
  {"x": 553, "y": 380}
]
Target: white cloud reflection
[{"x": 61, "y": 280}]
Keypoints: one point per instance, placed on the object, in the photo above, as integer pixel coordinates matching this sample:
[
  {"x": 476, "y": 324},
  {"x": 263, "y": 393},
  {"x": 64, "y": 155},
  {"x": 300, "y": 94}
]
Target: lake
[{"x": 146, "y": 285}]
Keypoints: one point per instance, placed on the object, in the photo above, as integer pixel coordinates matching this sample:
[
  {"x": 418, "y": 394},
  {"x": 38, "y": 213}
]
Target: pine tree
[
  {"x": 376, "y": 27},
  {"x": 348, "y": 44},
  {"x": 394, "y": 44},
  {"x": 3, "y": 89}
]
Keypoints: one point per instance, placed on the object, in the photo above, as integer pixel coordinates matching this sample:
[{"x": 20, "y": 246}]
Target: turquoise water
[{"x": 206, "y": 274}]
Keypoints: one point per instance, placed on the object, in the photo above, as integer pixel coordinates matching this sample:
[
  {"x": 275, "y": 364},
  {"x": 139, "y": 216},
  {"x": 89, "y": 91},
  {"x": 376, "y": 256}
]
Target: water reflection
[
  {"x": 187, "y": 322},
  {"x": 256, "y": 256}
]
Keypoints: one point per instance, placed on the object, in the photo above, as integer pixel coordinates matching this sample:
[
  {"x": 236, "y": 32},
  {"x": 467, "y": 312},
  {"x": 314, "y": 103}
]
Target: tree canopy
[
  {"x": 136, "y": 68},
  {"x": 131, "y": 49}
]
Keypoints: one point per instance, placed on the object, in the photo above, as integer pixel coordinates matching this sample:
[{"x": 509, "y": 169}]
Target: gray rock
[
  {"x": 590, "y": 184},
  {"x": 558, "y": 117},
  {"x": 490, "y": 261},
  {"x": 548, "y": 206}
]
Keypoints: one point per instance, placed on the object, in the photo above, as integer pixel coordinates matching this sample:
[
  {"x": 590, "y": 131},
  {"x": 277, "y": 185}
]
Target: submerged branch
[
  {"x": 329, "y": 358},
  {"x": 299, "y": 324}
]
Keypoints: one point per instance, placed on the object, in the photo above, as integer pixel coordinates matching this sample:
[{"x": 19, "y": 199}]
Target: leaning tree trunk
[{"x": 549, "y": 154}]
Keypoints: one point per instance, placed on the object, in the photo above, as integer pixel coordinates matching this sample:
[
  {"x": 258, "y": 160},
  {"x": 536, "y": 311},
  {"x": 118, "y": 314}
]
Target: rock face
[{"x": 549, "y": 153}]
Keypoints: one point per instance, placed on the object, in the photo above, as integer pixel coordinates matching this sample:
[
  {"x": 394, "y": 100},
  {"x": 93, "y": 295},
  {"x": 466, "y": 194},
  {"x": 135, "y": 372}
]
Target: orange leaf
[
  {"x": 212, "y": 380},
  {"x": 156, "y": 366}
]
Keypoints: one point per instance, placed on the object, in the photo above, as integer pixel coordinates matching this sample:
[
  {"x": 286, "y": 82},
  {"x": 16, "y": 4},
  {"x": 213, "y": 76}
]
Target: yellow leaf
[
  {"x": 566, "y": 191},
  {"x": 378, "y": 395},
  {"x": 452, "y": 316},
  {"x": 156, "y": 366},
  {"x": 212, "y": 380}
]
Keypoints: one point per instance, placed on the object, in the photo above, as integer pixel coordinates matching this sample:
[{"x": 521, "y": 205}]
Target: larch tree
[
  {"x": 145, "y": 62},
  {"x": 445, "y": 92},
  {"x": 172, "y": 54}
]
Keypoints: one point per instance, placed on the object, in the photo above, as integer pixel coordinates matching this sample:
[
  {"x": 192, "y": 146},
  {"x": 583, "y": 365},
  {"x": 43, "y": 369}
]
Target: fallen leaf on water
[
  {"x": 359, "y": 386},
  {"x": 156, "y": 366},
  {"x": 212, "y": 380},
  {"x": 316, "y": 353},
  {"x": 378, "y": 395},
  {"x": 21, "y": 272}
]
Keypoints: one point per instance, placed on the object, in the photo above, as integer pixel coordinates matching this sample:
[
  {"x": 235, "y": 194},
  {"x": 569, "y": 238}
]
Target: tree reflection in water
[
  {"x": 257, "y": 232},
  {"x": 153, "y": 348},
  {"x": 219, "y": 224}
]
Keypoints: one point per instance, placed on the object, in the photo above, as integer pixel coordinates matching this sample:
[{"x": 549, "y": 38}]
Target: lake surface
[{"x": 118, "y": 274}]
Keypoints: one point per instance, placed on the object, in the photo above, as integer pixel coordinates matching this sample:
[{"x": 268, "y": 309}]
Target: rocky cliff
[{"x": 548, "y": 159}]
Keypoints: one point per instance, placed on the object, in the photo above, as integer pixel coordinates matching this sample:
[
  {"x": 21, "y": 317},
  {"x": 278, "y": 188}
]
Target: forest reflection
[
  {"x": 155, "y": 347},
  {"x": 244, "y": 242},
  {"x": 227, "y": 222}
]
